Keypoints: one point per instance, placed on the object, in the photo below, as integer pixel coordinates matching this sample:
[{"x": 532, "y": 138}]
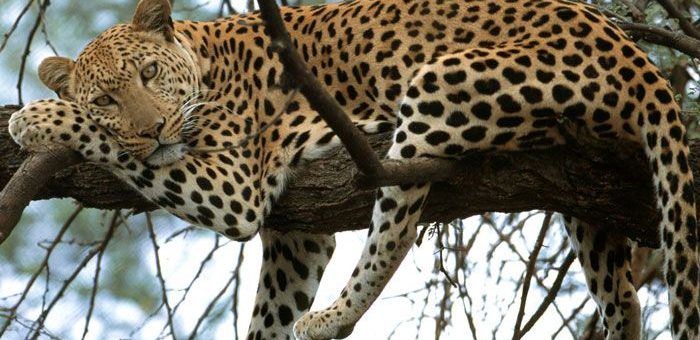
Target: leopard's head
[{"x": 136, "y": 80}]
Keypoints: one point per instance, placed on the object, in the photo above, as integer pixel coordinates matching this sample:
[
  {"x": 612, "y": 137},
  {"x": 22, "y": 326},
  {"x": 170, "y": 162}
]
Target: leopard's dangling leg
[
  {"x": 391, "y": 234},
  {"x": 605, "y": 259},
  {"x": 292, "y": 266}
]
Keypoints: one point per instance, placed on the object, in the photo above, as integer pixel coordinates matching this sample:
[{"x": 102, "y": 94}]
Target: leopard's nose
[{"x": 153, "y": 131}]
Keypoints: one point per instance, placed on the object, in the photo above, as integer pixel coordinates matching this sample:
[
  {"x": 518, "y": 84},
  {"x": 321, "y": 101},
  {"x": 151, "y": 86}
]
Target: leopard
[{"x": 196, "y": 117}]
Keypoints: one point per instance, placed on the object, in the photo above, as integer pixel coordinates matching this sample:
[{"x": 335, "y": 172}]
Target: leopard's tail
[{"x": 666, "y": 145}]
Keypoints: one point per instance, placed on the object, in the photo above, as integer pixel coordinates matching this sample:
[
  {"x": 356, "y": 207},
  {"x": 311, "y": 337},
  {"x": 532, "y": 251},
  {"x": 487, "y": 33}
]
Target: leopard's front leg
[
  {"x": 201, "y": 189},
  {"x": 292, "y": 266}
]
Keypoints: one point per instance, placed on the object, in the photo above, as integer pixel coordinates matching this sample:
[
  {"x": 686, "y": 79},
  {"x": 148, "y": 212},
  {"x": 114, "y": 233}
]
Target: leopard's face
[{"x": 138, "y": 85}]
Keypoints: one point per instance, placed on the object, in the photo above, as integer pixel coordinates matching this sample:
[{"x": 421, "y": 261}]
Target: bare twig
[
  {"x": 225, "y": 8},
  {"x": 114, "y": 222},
  {"x": 463, "y": 292},
  {"x": 636, "y": 13},
  {"x": 567, "y": 321},
  {"x": 683, "y": 22},
  {"x": 551, "y": 294},
  {"x": 211, "y": 305},
  {"x": 39, "y": 323},
  {"x": 210, "y": 255},
  {"x": 236, "y": 290},
  {"x": 159, "y": 274},
  {"x": 44, "y": 264},
  {"x": 590, "y": 331},
  {"x": 517, "y": 333},
  {"x": 663, "y": 37},
  {"x": 45, "y": 33},
  {"x": 441, "y": 265},
  {"x": 8, "y": 34},
  {"x": 27, "y": 48}
]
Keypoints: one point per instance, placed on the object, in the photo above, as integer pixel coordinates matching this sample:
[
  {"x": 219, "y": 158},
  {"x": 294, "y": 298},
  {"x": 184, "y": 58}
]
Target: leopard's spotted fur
[{"x": 154, "y": 101}]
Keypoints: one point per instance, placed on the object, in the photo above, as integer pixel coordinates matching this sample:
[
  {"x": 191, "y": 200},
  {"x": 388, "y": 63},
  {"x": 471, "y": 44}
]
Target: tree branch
[
  {"x": 663, "y": 37},
  {"x": 591, "y": 182},
  {"x": 319, "y": 99},
  {"x": 677, "y": 14},
  {"x": 31, "y": 176}
]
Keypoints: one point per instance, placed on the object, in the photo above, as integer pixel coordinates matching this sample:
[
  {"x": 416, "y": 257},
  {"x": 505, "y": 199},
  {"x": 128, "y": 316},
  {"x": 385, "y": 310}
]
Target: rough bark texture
[
  {"x": 596, "y": 185},
  {"x": 37, "y": 170}
]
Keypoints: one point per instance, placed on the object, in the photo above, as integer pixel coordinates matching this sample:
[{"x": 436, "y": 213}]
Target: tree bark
[{"x": 597, "y": 184}]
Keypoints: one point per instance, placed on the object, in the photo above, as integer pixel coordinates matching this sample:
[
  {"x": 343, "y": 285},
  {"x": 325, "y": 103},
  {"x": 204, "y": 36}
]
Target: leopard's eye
[
  {"x": 148, "y": 72},
  {"x": 104, "y": 100}
]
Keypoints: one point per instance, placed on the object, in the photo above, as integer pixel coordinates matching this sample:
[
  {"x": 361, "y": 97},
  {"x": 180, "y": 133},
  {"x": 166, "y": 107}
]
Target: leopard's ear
[
  {"x": 55, "y": 72},
  {"x": 154, "y": 16}
]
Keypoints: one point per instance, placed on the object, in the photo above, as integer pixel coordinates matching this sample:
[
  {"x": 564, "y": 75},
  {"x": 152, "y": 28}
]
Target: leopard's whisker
[{"x": 122, "y": 153}]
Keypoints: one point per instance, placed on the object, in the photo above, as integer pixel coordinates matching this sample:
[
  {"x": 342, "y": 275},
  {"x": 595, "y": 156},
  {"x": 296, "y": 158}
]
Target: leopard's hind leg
[
  {"x": 445, "y": 113},
  {"x": 391, "y": 234}
]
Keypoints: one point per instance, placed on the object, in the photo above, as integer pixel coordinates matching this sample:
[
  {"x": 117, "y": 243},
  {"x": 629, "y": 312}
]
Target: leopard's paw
[
  {"x": 322, "y": 325},
  {"x": 46, "y": 123},
  {"x": 35, "y": 126}
]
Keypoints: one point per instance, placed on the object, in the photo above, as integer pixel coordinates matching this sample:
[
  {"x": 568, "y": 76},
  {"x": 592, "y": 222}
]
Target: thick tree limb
[
  {"x": 31, "y": 176},
  {"x": 591, "y": 183}
]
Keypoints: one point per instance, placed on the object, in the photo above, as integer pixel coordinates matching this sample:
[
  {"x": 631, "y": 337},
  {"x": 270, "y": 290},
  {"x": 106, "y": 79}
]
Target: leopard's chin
[{"x": 165, "y": 154}]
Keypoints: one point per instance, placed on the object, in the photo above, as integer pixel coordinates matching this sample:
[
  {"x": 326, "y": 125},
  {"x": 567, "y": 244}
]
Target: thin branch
[
  {"x": 590, "y": 330},
  {"x": 27, "y": 324},
  {"x": 576, "y": 312},
  {"x": 159, "y": 274},
  {"x": 225, "y": 8},
  {"x": 211, "y": 305},
  {"x": 27, "y": 48},
  {"x": 236, "y": 290},
  {"x": 98, "y": 268},
  {"x": 683, "y": 22},
  {"x": 325, "y": 105},
  {"x": 44, "y": 264},
  {"x": 517, "y": 333},
  {"x": 463, "y": 292},
  {"x": 66, "y": 283},
  {"x": 210, "y": 255},
  {"x": 441, "y": 265},
  {"x": 551, "y": 294},
  {"x": 8, "y": 34},
  {"x": 45, "y": 33},
  {"x": 663, "y": 37},
  {"x": 636, "y": 13}
]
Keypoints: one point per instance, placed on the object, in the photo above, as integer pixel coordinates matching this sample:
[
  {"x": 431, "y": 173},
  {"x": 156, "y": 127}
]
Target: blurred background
[{"x": 71, "y": 273}]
